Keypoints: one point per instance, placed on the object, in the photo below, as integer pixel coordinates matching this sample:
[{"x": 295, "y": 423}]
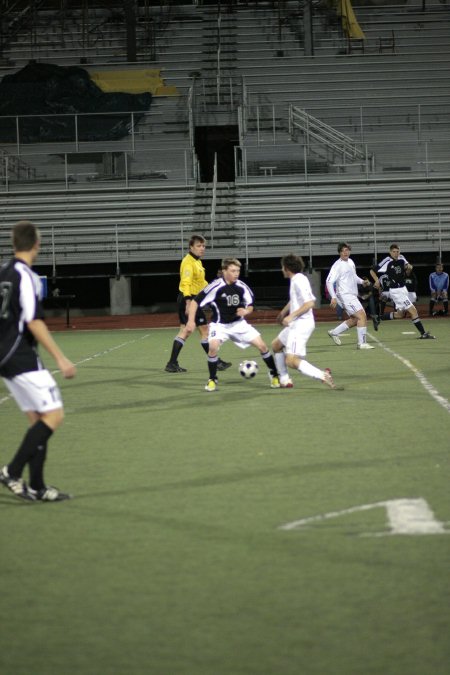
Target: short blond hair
[{"x": 227, "y": 262}]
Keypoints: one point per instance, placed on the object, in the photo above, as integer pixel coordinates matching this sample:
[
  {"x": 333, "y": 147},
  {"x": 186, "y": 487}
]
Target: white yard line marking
[
  {"x": 404, "y": 516},
  {"x": 429, "y": 388},
  {"x": 91, "y": 358}
]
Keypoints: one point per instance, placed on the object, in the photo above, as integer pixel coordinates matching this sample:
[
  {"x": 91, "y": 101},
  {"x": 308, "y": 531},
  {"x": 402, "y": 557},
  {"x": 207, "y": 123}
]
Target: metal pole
[
  {"x": 310, "y": 243},
  {"x": 66, "y": 175},
  {"x": 17, "y": 135},
  {"x": 117, "y": 253},
  {"x": 375, "y": 251},
  {"x": 53, "y": 252}
]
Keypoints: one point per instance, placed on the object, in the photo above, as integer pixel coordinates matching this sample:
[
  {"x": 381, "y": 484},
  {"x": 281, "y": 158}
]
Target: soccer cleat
[
  {"x": 328, "y": 379},
  {"x": 335, "y": 338},
  {"x": 49, "y": 494},
  {"x": 426, "y": 336},
  {"x": 223, "y": 365},
  {"x": 16, "y": 485},
  {"x": 376, "y": 321},
  {"x": 274, "y": 381},
  {"x": 174, "y": 368},
  {"x": 286, "y": 383},
  {"x": 211, "y": 385},
  {"x": 365, "y": 345}
]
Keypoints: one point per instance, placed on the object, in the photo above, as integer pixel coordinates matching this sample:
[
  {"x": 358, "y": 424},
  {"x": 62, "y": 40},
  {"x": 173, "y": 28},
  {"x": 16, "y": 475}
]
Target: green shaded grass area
[{"x": 170, "y": 559}]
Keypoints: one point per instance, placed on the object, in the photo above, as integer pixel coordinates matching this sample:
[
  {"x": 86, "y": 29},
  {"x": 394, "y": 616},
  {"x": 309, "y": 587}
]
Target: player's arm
[
  {"x": 191, "y": 312},
  {"x": 244, "y": 311},
  {"x": 283, "y": 312},
  {"x": 40, "y": 331},
  {"x": 374, "y": 275},
  {"x": 309, "y": 304}
]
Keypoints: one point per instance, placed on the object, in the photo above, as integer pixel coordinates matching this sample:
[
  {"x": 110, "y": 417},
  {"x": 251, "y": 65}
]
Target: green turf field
[{"x": 172, "y": 558}]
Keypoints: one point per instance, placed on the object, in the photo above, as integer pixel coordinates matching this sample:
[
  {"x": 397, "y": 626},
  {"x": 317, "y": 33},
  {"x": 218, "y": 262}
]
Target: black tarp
[{"x": 42, "y": 90}]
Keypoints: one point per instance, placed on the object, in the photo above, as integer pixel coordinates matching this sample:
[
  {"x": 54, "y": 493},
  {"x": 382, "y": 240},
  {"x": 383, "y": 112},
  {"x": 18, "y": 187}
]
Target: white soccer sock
[
  {"x": 362, "y": 334},
  {"x": 340, "y": 329},
  {"x": 280, "y": 362},
  {"x": 310, "y": 370}
]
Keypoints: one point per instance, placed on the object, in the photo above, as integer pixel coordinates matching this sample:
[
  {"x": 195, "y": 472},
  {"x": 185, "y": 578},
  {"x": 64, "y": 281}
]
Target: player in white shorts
[
  {"x": 395, "y": 267},
  {"x": 230, "y": 300},
  {"x": 297, "y": 316},
  {"x": 34, "y": 389},
  {"x": 342, "y": 285}
]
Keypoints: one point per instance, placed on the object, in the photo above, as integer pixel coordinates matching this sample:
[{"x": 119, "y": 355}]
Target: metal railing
[
  {"x": 314, "y": 129},
  {"x": 71, "y": 170}
]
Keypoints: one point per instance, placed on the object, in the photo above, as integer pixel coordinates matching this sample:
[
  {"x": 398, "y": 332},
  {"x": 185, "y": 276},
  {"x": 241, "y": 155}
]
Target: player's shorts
[
  {"x": 35, "y": 391},
  {"x": 200, "y": 316},
  {"x": 400, "y": 298},
  {"x": 295, "y": 337},
  {"x": 239, "y": 332},
  {"x": 350, "y": 303}
]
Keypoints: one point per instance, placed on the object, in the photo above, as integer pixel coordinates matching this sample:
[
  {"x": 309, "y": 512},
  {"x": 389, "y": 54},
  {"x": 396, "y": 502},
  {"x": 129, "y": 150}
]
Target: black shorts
[{"x": 200, "y": 317}]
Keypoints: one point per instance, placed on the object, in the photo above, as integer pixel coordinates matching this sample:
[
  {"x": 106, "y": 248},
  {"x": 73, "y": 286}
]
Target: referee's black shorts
[{"x": 200, "y": 317}]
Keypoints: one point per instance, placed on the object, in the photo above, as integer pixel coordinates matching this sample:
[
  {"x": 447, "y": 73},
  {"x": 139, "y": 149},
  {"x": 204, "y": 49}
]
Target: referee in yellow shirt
[{"x": 192, "y": 281}]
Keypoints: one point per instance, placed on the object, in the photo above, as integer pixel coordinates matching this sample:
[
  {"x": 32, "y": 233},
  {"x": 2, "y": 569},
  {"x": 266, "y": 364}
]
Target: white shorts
[
  {"x": 240, "y": 332},
  {"x": 400, "y": 298},
  {"x": 350, "y": 303},
  {"x": 295, "y": 337},
  {"x": 35, "y": 391}
]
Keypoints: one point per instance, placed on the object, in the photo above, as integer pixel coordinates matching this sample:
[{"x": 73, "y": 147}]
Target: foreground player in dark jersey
[
  {"x": 31, "y": 385},
  {"x": 231, "y": 301}
]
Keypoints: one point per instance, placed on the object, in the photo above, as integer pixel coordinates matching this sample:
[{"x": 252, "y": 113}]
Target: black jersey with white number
[
  {"x": 394, "y": 270},
  {"x": 20, "y": 291},
  {"x": 224, "y": 299}
]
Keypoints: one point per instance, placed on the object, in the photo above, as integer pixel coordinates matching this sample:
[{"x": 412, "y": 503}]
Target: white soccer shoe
[
  {"x": 365, "y": 345},
  {"x": 335, "y": 338}
]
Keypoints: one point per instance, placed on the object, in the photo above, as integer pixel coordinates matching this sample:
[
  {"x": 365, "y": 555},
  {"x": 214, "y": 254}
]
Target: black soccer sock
[
  {"x": 212, "y": 367},
  {"x": 418, "y": 324},
  {"x": 178, "y": 344},
  {"x": 36, "y": 465},
  {"x": 36, "y": 436},
  {"x": 270, "y": 363},
  {"x": 205, "y": 345},
  {"x": 432, "y": 303}
]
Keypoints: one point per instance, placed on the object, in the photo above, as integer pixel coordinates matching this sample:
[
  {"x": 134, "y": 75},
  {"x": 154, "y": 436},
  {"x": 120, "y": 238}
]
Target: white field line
[
  {"x": 105, "y": 352},
  {"x": 404, "y": 516},
  {"x": 429, "y": 388}
]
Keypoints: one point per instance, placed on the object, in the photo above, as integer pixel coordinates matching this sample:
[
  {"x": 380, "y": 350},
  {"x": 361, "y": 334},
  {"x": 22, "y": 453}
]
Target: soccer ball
[{"x": 248, "y": 369}]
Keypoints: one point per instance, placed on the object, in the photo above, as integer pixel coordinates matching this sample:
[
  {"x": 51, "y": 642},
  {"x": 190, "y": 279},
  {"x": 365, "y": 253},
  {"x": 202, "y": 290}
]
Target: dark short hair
[
  {"x": 196, "y": 238},
  {"x": 293, "y": 263},
  {"x": 394, "y": 246},
  {"x": 25, "y": 235},
  {"x": 342, "y": 245}
]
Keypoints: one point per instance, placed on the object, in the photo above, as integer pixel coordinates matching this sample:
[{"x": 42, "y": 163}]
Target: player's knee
[
  {"x": 292, "y": 361},
  {"x": 53, "y": 418}
]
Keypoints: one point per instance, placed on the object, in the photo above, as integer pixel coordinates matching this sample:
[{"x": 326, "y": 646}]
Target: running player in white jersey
[
  {"x": 342, "y": 285},
  {"x": 297, "y": 317}
]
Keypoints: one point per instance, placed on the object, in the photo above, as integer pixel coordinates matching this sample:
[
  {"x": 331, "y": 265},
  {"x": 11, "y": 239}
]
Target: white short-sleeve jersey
[{"x": 300, "y": 291}]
